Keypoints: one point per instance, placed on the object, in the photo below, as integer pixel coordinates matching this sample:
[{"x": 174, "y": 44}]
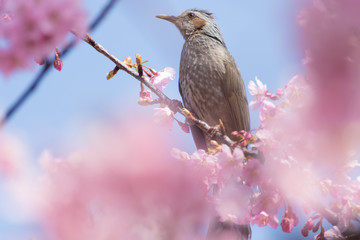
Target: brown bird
[
  {"x": 211, "y": 87},
  {"x": 210, "y": 82}
]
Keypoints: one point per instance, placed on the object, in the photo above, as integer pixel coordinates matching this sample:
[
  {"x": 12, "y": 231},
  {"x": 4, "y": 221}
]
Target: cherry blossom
[
  {"x": 164, "y": 117},
  {"x": 269, "y": 202},
  {"x": 128, "y": 187},
  {"x": 333, "y": 57},
  {"x": 145, "y": 95},
  {"x": 280, "y": 92},
  {"x": 307, "y": 132},
  {"x": 124, "y": 189},
  {"x": 231, "y": 163},
  {"x": 233, "y": 203},
  {"x": 163, "y": 77},
  {"x": 331, "y": 234},
  {"x": 252, "y": 173},
  {"x": 309, "y": 225},
  {"x": 208, "y": 164},
  {"x": 259, "y": 91},
  {"x": 289, "y": 221},
  {"x": 36, "y": 28},
  {"x": 263, "y": 219},
  {"x": 180, "y": 155}
]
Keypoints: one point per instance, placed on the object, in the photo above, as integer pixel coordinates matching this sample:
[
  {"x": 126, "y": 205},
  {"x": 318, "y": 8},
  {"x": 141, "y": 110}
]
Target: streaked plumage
[
  {"x": 210, "y": 82},
  {"x": 210, "y": 85}
]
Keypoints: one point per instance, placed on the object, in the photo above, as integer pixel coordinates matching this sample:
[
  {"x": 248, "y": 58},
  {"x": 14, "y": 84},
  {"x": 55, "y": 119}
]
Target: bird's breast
[{"x": 201, "y": 68}]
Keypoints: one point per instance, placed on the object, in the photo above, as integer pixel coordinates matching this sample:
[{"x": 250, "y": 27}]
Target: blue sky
[{"x": 262, "y": 35}]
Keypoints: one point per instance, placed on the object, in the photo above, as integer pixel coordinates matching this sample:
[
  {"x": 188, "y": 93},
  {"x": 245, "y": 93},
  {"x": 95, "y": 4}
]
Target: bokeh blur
[{"x": 263, "y": 37}]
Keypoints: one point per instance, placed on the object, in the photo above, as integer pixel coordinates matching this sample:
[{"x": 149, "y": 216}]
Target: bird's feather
[{"x": 236, "y": 102}]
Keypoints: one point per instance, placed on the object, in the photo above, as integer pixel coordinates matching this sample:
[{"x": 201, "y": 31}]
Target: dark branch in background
[{"x": 47, "y": 66}]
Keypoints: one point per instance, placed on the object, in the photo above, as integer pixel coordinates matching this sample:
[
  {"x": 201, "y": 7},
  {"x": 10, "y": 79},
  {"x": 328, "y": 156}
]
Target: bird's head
[{"x": 195, "y": 21}]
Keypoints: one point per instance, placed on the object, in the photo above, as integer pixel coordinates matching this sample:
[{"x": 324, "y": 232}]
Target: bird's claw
[
  {"x": 220, "y": 128},
  {"x": 212, "y": 132}
]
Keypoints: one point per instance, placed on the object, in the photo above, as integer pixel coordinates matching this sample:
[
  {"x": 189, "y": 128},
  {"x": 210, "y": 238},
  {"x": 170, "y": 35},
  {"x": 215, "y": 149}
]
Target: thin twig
[
  {"x": 47, "y": 66},
  {"x": 162, "y": 97}
]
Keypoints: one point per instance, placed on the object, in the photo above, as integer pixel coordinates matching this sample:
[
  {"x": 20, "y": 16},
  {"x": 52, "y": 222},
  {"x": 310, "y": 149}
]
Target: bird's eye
[{"x": 191, "y": 15}]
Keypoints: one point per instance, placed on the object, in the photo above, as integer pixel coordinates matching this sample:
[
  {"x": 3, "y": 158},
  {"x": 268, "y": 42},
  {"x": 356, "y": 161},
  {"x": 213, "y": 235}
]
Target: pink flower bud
[
  {"x": 280, "y": 92},
  {"x": 304, "y": 232},
  {"x": 286, "y": 225},
  {"x": 58, "y": 64}
]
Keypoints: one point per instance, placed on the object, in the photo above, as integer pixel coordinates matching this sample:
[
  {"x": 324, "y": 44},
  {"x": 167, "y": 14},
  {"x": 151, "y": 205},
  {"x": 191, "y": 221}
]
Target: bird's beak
[{"x": 167, "y": 17}]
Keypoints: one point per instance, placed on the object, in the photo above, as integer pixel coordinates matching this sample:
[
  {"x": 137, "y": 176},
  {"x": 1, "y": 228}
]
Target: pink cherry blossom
[
  {"x": 252, "y": 173},
  {"x": 346, "y": 212},
  {"x": 164, "y": 117},
  {"x": 124, "y": 189},
  {"x": 297, "y": 92},
  {"x": 145, "y": 94},
  {"x": 203, "y": 162},
  {"x": 332, "y": 43},
  {"x": 331, "y": 234},
  {"x": 180, "y": 155},
  {"x": 230, "y": 163},
  {"x": 259, "y": 91},
  {"x": 286, "y": 225},
  {"x": 233, "y": 203},
  {"x": 280, "y": 92},
  {"x": 263, "y": 219},
  {"x": 208, "y": 164},
  {"x": 289, "y": 221},
  {"x": 163, "y": 77},
  {"x": 269, "y": 202},
  {"x": 36, "y": 28},
  {"x": 268, "y": 111},
  {"x": 309, "y": 225},
  {"x": 226, "y": 156}
]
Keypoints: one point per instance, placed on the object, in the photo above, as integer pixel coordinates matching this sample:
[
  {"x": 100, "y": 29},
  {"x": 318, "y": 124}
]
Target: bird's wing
[
  {"x": 236, "y": 102},
  {"x": 197, "y": 134},
  {"x": 199, "y": 137}
]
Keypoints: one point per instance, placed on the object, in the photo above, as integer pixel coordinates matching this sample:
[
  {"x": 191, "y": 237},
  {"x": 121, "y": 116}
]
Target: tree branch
[
  {"x": 46, "y": 67},
  {"x": 162, "y": 97}
]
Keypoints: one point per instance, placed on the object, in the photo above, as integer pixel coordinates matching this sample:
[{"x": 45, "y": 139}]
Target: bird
[
  {"x": 210, "y": 82},
  {"x": 211, "y": 88}
]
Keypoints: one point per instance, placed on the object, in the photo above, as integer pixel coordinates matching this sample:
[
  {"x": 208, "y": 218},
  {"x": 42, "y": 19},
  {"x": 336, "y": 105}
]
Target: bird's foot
[{"x": 210, "y": 134}]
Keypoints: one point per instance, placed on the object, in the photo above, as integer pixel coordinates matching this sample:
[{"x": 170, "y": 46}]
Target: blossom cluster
[
  {"x": 238, "y": 182},
  {"x": 308, "y": 137},
  {"x": 31, "y": 29},
  {"x": 251, "y": 190},
  {"x": 331, "y": 42},
  {"x": 298, "y": 163},
  {"x": 127, "y": 188},
  {"x": 124, "y": 185}
]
